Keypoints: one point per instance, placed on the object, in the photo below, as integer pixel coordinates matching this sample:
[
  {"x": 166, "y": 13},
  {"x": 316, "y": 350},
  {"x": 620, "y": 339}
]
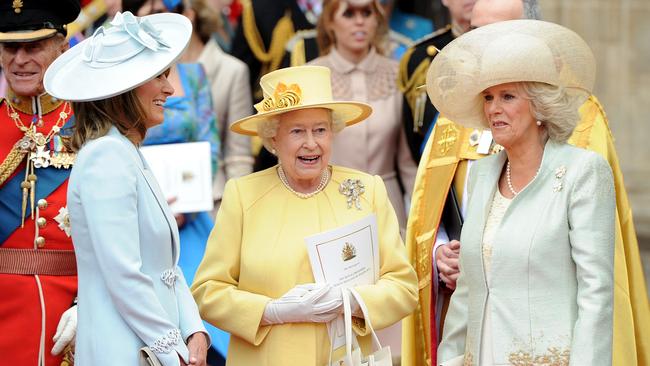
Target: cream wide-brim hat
[
  {"x": 116, "y": 59},
  {"x": 504, "y": 52},
  {"x": 295, "y": 88}
]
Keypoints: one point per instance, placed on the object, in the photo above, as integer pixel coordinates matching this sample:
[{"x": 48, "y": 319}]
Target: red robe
[{"x": 22, "y": 305}]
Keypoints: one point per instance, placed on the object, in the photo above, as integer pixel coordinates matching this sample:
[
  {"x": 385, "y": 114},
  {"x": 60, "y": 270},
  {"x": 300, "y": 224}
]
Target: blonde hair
[
  {"x": 326, "y": 38},
  {"x": 554, "y": 107},
  {"x": 94, "y": 119},
  {"x": 268, "y": 128},
  {"x": 207, "y": 20}
]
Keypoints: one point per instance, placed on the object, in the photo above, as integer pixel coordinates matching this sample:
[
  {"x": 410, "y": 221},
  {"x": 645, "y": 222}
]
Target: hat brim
[
  {"x": 511, "y": 51},
  {"x": 70, "y": 78},
  {"x": 349, "y": 112},
  {"x": 27, "y": 35}
]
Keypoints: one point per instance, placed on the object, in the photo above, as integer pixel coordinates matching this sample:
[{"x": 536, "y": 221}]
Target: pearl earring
[
  {"x": 273, "y": 152},
  {"x": 539, "y": 123}
]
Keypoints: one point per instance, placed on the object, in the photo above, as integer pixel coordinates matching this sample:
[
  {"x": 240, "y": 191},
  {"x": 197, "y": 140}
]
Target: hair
[
  {"x": 207, "y": 20},
  {"x": 326, "y": 39},
  {"x": 531, "y": 10},
  {"x": 554, "y": 107},
  {"x": 94, "y": 119},
  {"x": 268, "y": 128}
]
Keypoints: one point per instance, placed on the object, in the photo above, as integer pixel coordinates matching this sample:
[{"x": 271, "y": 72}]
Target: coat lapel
[{"x": 153, "y": 185}]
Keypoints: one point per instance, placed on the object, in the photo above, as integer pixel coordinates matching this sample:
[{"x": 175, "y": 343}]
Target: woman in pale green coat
[{"x": 536, "y": 261}]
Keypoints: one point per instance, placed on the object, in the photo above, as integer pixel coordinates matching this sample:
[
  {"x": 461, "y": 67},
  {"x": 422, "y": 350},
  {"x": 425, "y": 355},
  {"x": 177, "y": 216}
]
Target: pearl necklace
[
  {"x": 509, "y": 180},
  {"x": 324, "y": 178}
]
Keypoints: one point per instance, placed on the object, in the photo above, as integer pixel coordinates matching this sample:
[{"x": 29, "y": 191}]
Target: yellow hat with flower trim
[{"x": 295, "y": 88}]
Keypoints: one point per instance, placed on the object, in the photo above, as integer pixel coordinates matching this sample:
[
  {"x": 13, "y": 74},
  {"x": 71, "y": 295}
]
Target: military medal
[{"x": 34, "y": 145}]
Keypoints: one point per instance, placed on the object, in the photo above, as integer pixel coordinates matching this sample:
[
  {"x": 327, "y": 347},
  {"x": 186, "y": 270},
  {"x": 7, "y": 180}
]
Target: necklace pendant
[{"x": 39, "y": 123}]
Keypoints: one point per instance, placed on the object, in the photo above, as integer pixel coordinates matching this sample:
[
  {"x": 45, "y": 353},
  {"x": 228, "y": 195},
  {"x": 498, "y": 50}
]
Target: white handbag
[
  {"x": 380, "y": 356},
  {"x": 146, "y": 357}
]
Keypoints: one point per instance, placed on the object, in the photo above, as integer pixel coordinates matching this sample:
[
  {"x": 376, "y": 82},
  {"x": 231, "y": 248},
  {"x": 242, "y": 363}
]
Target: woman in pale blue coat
[
  {"x": 131, "y": 292},
  {"x": 536, "y": 260}
]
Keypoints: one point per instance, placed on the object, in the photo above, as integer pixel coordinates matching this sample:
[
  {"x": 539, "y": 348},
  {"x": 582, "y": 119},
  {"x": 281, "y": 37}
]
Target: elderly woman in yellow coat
[
  {"x": 536, "y": 264},
  {"x": 255, "y": 280}
]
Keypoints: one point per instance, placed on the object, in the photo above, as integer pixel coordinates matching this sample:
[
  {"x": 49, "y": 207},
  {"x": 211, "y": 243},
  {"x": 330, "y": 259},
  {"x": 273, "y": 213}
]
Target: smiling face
[
  {"x": 24, "y": 63},
  {"x": 152, "y": 96},
  {"x": 354, "y": 28},
  {"x": 303, "y": 144},
  {"x": 508, "y": 111}
]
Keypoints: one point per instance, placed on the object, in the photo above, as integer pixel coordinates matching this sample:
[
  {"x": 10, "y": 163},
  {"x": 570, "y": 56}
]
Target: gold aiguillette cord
[{"x": 24, "y": 185}]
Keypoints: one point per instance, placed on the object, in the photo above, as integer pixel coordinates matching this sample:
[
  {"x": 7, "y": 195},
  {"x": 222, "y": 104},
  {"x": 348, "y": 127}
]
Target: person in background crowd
[
  {"x": 350, "y": 37},
  {"x": 255, "y": 280},
  {"x": 38, "y": 275},
  {"x": 419, "y": 115},
  {"x": 231, "y": 94},
  {"x": 530, "y": 290},
  {"x": 131, "y": 291}
]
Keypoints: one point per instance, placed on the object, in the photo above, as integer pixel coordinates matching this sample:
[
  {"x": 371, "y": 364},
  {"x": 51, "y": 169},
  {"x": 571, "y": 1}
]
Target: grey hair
[
  {"x": 554, "y": 107},
  {"x": 531, "y": 10},
  {"x": 268, "y": 128}
]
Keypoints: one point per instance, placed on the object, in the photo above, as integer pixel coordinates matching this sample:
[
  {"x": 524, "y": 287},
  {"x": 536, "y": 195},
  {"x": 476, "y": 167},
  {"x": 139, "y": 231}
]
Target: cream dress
[{"x": 497, "y": 210}]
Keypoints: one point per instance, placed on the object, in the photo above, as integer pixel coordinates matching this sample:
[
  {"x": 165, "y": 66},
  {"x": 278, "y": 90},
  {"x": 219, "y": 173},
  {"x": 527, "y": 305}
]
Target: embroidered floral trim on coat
[
  {"x": 169, "y": 277},
  {"x": 553, "y": 357},
  {"x": 167, "y": 342}
]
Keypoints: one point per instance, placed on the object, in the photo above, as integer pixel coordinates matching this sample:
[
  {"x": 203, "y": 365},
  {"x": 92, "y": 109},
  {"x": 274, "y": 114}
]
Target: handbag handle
[{"x": 366, "y": 316}]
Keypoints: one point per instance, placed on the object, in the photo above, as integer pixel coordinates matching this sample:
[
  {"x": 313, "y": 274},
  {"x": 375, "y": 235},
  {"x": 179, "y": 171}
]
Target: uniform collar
[
  {"x": 340, "y": 64},
  {"x": 30, "y": 105}
]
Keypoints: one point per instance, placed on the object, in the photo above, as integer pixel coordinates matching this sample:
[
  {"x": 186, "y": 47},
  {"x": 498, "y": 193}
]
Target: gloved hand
[
  {"x": 66, "y": 330},
  {"x": 307, "y": 303}
]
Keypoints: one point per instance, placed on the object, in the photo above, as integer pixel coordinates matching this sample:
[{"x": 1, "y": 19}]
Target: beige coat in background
[
  {"x": 378, "y": 145},
  {"x": 231, "y": 98}
]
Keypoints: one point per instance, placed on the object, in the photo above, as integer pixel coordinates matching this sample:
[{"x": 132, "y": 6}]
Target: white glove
[
  {"x": 307, "y": 303},
  {"x": 65, "y": 331}
]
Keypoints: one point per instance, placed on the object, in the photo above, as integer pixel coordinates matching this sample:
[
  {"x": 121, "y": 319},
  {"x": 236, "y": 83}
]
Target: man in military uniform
[
  {"x": 440, "y": 185},
  {"x": 38, "y": 279},
  {"x": 418, "y": 114}
]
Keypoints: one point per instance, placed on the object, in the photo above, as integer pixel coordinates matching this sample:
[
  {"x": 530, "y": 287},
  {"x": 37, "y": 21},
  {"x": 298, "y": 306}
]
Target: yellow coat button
[
  {"x": 41, "y": 222},
  {"x": 40, "y": 241},
  {"x": 42, "y": 204}
]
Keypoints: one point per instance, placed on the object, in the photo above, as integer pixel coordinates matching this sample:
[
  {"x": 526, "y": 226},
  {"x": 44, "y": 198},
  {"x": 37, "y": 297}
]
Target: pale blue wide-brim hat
[{"x": 118, "y": 58}]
